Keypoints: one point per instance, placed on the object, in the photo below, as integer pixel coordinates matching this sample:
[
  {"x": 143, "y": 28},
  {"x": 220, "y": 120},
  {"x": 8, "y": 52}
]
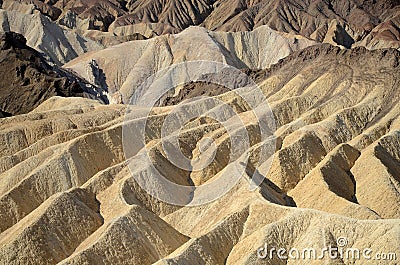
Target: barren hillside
[
  {"x": 74, "y": 187},
  {"x": 374, "y": 24},
  {"x": 128, "y": 65},
  {"x": 186, "y": 132}
]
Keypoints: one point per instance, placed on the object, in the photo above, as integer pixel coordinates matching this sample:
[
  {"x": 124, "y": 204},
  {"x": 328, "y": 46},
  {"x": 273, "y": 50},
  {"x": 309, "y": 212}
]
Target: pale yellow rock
[
  {"x": 71, "y": 193},
  {"x": 138, "y": 60}
]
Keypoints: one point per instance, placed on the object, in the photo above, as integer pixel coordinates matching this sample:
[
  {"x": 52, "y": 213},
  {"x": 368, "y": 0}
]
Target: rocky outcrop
[
  {"x": 373, "y": 24},
  {"x": 58, "y": 45},
  {"x": 4, "y": 114},
  {"x": 127, "y": 66},
  {"x": 30, "y": 6},
  {"x": 384, "y": 35},
  {"x": 27, "y": 79}
]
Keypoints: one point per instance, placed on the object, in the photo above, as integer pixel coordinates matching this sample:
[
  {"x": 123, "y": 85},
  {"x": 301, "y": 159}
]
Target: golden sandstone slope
[{"x": 68, "y": 195}]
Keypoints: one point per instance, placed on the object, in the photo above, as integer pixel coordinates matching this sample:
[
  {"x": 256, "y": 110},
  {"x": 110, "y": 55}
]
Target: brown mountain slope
[
  {"x": 340, "y": 22},
  {"x": 27, "y": 80}
]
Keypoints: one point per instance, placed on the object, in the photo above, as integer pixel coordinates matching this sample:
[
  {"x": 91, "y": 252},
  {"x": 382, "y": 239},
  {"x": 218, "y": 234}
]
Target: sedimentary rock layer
[
  {"x": 374, "y": 24},
  {"x": 71, "y": 194}
]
